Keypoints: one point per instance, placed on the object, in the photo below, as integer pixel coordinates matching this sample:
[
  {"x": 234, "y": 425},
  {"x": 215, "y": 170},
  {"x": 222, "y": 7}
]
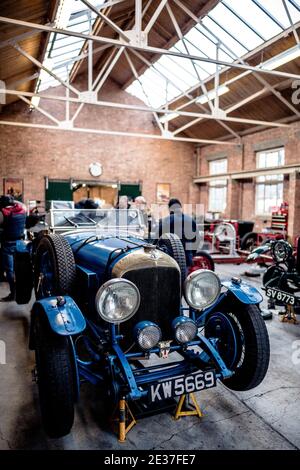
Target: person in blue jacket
[{"x": 183, "y": 225}]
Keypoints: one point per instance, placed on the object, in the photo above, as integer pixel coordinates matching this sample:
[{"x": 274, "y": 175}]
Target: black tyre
[
  {"x": 56, "y": 379},
  {"x": 55, "y": 269},
  {"x": 205, "y": 261},
  {"x": 23, "y": 277},
  {"x": 171, "y": 244},
  {"x": 273, "y": 276},
  {"x": 243, "y": 342},
  {"x": 249, "y": 241}
]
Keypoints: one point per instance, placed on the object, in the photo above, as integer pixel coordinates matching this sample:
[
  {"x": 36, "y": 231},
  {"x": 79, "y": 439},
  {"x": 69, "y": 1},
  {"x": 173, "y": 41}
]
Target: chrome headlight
[
  {"x": 282, "y": 250},
  {"x": 147, "y": 334},
  {"x": 117, "y": 300},
  {"x": 185, "y": 329},
  {"x": 201, "y": 288}
]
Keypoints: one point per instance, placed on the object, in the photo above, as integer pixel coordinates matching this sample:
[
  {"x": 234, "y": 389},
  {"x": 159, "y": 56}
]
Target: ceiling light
[
  {"x": 168, "y": 117},
  {"x": 281, "y": 59},
  {"x": 211, "y": 95}
]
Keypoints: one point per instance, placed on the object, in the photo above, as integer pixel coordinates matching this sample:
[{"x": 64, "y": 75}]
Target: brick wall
[
  {"x": 241, "y": 196},
  {"x": 33, "y": 154}
]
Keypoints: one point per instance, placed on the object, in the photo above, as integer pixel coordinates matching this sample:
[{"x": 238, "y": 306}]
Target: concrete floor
[{"x": 264, "y": 418}]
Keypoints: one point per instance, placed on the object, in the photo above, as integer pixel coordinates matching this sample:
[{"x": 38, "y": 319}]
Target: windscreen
[{"x": 100, "y": 220}]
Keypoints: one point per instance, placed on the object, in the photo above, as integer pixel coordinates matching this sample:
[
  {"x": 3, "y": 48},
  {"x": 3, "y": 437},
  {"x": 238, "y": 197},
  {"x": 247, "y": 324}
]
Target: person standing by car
[
  {"x": 183, "y": 225},
  {"x": 13, "y": 226},
  {"x": 140, "y": 203}
]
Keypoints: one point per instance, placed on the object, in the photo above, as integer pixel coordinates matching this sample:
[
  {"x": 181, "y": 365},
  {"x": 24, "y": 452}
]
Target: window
[
  {"x": 217, "y": 188},
  {"x": 269, "y": 188}
]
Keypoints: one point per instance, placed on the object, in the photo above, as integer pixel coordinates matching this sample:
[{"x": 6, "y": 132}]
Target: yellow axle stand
[
  {"x": 124, "y": 415},
  {"x": 126, "y": 420},
  {"x": 289, "y": 316},
  {"x": 194, "y": 412}
]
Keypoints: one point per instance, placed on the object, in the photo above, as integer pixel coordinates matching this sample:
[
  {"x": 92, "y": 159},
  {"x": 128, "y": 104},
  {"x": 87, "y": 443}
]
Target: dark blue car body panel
[
  {"x": 66, "y": 319},
  {"x": 95, "y": 256},
  {"x": 243, "y": 292}
]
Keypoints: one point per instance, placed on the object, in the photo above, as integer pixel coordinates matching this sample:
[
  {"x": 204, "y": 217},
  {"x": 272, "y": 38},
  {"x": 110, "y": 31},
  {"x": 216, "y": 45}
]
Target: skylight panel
[
  {"x": 66, "y": 41},
  {"x": 75, "y": 16},
  {"x": 207, "y": 47},
  {"x": 229, "y": 43},
  {"x": 256, "y": 17},
  {"x": 276, "y": 8},
  {"x": 231, "y": 23},
  {"x": 174, "y": 73},
  {"x": 241, "y": 26},
  {"x": 67, "y": 49}
]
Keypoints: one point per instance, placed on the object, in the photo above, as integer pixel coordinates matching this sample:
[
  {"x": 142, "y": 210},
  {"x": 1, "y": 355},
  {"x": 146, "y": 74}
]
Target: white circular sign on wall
[{"x": 95, "y": 169}]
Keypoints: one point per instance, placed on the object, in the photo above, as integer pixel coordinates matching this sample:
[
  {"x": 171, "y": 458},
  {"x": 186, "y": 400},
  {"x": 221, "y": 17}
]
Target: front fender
[
  {"x": 243, "y": 292},
  {"x": 64, "y": 319}
]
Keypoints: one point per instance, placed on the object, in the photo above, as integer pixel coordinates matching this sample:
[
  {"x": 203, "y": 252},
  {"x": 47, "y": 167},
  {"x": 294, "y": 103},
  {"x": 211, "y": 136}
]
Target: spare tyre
[
  {"x": 171, "y": 244},
  {"x": 55, "y": 268}
]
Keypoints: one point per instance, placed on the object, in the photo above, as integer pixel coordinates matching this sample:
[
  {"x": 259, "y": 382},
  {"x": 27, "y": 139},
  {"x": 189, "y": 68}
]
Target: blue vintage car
[{"x": 108, "y": 302}]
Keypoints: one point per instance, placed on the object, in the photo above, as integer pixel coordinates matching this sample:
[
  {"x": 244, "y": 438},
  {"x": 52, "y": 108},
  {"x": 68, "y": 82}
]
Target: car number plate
[
  {"x": 182, "y": 384},
  {"x": 280, "y": 296}
]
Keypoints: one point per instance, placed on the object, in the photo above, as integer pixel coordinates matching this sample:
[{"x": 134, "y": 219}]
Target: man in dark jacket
[
  {"x": 183, "y": 225},
  {"x": 14, "y": 218}
]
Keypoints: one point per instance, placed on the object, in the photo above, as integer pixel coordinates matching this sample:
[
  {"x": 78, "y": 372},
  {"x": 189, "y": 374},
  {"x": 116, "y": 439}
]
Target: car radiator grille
[{"x": 160, "y": 298}]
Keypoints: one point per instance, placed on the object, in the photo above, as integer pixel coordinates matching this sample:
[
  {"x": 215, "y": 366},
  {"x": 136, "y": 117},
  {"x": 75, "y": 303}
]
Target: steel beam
[
  {"x": 82, "y": 56},
  {"x": 142, "y": 58},
  {"x": 109, "y": 69},
  {"x": 147, "y": 109},
  {"x": 115, "y": 133},
  {"x": 148, "y": 49},
  {"x": 41, "y": 110},
  {"x": 104, "y": 67},
  {"x": 250, "y": 54},
  {"x": 201, "y": 82},
  {"x": 247, "y": 100},
  {"x": 90, "y": 55},
  {"x": 187, "y": 125},
  {"x": 138, "y": 16},
  {"x": 181, "y": 37},
  {"x": 134, "y": 72},
  {"x": 155, "y": 16},
  {"x": 25, "y": 79},
  {"x": 238, "y": 105},
  {"x": 107, "y": 20},
  {"x": 296, "y": 36},
  {"x": 239, "y": 60},
  {"x": 41, "y": 66},
  {"x": 110, "y": 3}
]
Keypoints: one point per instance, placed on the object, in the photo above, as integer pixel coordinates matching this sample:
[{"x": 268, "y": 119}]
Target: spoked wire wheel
[{"x": 239, "y": 333}]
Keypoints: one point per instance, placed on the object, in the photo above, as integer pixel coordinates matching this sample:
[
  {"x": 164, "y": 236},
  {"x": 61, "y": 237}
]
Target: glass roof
[
  {"x": 62, "y": 50},
  {"x": 239, "y": 25}
]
